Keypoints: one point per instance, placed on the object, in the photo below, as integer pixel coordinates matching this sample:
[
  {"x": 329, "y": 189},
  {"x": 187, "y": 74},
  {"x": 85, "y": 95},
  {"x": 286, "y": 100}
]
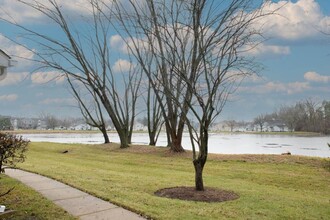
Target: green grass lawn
[
  {"x": 26, "y": 203},
  {"x": 270, "y": 187}
]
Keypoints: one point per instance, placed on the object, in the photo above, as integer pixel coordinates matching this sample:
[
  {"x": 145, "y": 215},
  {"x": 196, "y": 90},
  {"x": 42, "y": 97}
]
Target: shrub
[{"x": 12, "y": 150}]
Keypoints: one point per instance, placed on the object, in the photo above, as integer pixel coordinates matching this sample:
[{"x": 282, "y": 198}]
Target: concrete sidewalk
[{"x": 74, "y": 201}]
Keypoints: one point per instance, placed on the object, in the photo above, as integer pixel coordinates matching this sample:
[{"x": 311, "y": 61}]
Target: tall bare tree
[
  {"x": 150, "y": 40},
  {"x": 81, "y": 50},
  {"x": 197, "y": 51}
]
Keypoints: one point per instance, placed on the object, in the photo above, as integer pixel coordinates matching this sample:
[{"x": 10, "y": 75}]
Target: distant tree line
[
  {"x": 306, "y": 115},
  {"x": 44, "y": 121}
]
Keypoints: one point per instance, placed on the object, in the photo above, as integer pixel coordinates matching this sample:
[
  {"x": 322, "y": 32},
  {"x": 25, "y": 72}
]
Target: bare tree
[
  {"x": 51, "y": 121},
  {"x": 198, "y": 50},
  {"x": 305, "y": 115},
  {"x": 314, "y": 116},
  {"x": 326, "y": 107},
  {"x": 84, "y": 55},
  {"x": 260, "y": 121},
  {"x": 149, "y": 42},
  {"x": 232, "y": 124}
]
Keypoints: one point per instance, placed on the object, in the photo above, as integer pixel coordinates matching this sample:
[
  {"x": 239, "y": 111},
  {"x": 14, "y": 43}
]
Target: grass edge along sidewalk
[
  {"x": 75, "y": 202},
  {"x": 25, "y": 203}
]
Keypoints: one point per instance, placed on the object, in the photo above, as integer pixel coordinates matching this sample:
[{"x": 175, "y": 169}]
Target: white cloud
[
  {"x": 8, "y": 98},
  {"x": 45, "y": 77},
  {"x": 119, "y": 44},
  {"x": 116, "y": 41},
  {"x": 15, "y": 11},
  {"x": 263, "y": 49},
  {"x": 295, "y": 20},
  {"x": 315, "y": 77},
  {"x": 13, "y": 79},
  {"x": 297, "y": 87},
  {"x": 122, "y": 66},
  {"x": 18, "y": 12},
  {"x": 57, "y": 101},
  {"x": 255, "y": 78},
  {"x": 280, "y": 87}
]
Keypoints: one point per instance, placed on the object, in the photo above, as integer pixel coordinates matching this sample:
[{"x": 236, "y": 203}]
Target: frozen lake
[{"x": 218, "y": 143}]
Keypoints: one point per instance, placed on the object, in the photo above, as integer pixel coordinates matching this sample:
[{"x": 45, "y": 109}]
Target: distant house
[
  {"x": 139, "y": 127},
  {"x": 82, "y": 127},
  {"x": 5, "y": 62},
  {"x": 42, "y": 125},
  {"x": 60, "y": 128},
  {"x": 277, "y": 128}
]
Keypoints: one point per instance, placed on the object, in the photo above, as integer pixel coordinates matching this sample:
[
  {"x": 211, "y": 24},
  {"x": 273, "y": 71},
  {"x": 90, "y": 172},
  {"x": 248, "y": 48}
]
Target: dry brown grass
[{"x": 252, "y": 158}]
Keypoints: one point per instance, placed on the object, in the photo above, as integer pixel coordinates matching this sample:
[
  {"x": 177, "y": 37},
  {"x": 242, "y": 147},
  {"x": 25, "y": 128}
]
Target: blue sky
[{"x": 296, "y": 61}]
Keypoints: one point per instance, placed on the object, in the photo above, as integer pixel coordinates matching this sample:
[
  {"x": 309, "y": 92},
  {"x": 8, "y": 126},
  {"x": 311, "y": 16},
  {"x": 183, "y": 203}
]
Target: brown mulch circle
[{"x": 190, "y": 194}]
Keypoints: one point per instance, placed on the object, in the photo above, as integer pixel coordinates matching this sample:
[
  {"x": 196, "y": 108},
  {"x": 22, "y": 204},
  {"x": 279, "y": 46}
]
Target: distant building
[
  {"x": 276, "y": 126},
  {"x": 81, "y": 127},
  {"x": 139, "y": 127},
  {"x": 42, "y": 125}
]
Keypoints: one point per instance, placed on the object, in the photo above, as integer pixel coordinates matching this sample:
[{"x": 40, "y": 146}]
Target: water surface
[{"x": 218, "y": 143}]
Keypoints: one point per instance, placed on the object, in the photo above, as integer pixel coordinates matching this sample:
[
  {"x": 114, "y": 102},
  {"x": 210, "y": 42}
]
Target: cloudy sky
[{"x": 295, "y": 58}]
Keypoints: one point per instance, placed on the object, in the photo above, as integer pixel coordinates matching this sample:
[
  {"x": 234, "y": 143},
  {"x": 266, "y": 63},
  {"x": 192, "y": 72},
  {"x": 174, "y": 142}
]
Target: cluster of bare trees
[
  {"x": 232, "y": 124},
  {"x": 191, "y": 55},
  {"x": 305, "y": 115}
]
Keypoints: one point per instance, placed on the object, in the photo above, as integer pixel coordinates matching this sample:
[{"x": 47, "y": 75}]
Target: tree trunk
[
  {"x": 200, "y": 161},
  {"x": 176, "y": 145},
  {"x": 124, "y": 140},
  {"x": 168, "y": 135},
  {"x": 1, "y": 171},
  {"x": 199, "y": 166},
  {"x": 152, "y": 140},
  {"x": 105, "y": 135}
]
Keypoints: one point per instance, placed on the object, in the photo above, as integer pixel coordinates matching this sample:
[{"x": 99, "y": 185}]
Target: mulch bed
[{"x": 190, "y": 194}]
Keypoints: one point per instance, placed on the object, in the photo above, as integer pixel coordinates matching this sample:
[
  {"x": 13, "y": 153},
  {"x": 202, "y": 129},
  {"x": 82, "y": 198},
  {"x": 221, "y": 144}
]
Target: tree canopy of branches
[
  {"x": 194, "y": 53},
  {"x": 80, "y": 50},
  {"x": 260, "y": 121},
  {"x": 50, "y": 120},
  {"x": 231, "y": 124}
]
